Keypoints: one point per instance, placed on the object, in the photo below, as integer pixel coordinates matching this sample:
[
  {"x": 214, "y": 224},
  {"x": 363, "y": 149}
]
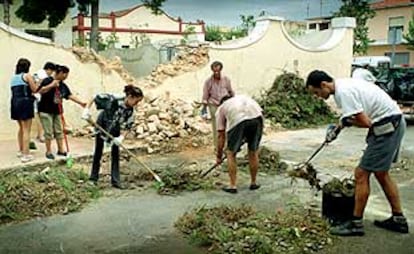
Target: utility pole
[
  {"x": 394, "y": 41},
  {"x": 320, "y": 1},
  {"x": 307, "y": 10}
]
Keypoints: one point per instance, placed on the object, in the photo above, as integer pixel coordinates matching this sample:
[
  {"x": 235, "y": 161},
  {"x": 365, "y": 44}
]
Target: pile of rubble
[
  {"x": 166, "y": 125},
  {"x": 86, "y": 55},
  {"x": 165, "y": 119},
  {"x": 188, "y": 59}
]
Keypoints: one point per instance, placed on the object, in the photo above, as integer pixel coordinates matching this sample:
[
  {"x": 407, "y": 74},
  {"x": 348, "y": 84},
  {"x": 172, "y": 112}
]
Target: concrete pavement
[{"x": 79, "y": 148}]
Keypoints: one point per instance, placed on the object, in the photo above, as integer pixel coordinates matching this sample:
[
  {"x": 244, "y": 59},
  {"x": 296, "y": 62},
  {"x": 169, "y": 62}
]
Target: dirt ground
[{"x": 141, "y": 221}]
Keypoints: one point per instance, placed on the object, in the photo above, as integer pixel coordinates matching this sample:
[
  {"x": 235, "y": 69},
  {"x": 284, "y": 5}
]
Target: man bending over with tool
[
  {"x": 116, "y": 114},
  {"x": 241, "y": 119},
  {"x": 365, "y": 105}
]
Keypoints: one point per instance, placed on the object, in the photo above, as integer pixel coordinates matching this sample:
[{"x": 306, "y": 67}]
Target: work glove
[
  {"x": 332, "y": 132},
  {"x": 118, "y": 140},
  {"x": 346, "y": 121},
  {"x": 86, "y": 115}
]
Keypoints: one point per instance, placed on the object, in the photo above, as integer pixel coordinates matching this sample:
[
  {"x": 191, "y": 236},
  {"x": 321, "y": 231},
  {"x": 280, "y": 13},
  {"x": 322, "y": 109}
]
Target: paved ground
[
  {"x": 142, "y": 222},
  {"x": 79, "y": 147}
]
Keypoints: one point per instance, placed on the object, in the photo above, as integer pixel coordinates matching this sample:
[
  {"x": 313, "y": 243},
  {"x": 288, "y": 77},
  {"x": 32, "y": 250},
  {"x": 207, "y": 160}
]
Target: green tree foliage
[
  {"x": 34, "y": 11},
  {"x": 154, "y": 5},
  {"x": 215, "y": 33},
  {"x": 409, "y": 36},
  {"x": 6, "y": 10},
  {"x": 248, "y": 23},
  {"x": 361, "y": 11}
]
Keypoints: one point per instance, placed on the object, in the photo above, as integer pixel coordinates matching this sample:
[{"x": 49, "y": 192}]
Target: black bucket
[{"x": 337, "y": 208}]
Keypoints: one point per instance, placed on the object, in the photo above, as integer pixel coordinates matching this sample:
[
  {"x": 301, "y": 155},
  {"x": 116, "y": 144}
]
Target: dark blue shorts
[
  {"x": 22, "y": 108},
  {"x": 249, "y": 131}
]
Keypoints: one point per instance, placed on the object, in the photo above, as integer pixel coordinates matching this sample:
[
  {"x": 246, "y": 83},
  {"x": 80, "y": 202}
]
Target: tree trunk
[
  {"x": 6, "y": 7},
  {"x": 94, "y": 37}
]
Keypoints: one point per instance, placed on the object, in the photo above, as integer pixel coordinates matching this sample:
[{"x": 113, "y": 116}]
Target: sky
[{"x": 227, "y": 12}]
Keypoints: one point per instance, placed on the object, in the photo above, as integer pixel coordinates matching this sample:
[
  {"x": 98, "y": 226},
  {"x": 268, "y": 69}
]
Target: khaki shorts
[{"x": 52, "y": 125}]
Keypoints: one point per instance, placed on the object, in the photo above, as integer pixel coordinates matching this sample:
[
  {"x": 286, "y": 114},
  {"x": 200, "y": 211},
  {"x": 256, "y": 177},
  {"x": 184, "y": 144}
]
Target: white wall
[
  {"x": 85, "y": 79},
  {"x": 253, "y": 64}
]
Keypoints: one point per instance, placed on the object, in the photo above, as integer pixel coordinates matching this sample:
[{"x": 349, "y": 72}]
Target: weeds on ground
[
  {"x": 242, "y": 229},
  {"x": 175, "y": 178},
  {"x": 269, "y": 162},
  {"x": 26, "y": 195}
]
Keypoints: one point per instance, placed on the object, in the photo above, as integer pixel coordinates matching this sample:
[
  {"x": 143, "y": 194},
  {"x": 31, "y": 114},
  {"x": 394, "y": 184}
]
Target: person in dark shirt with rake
[{"x": 116, "y": 114}]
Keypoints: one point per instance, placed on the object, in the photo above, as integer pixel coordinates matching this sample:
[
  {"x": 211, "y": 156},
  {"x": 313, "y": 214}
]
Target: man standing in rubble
[
  {"x": 215, "y": 88},
  {"x": 365, "y": 105},
  {"x": 240, "y": 119}
]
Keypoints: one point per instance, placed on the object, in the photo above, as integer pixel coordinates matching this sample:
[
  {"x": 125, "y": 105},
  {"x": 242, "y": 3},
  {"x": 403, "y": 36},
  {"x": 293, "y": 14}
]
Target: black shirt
[
  {"x": 49, "y": 103},
  {"x": 115, "y": 115}
]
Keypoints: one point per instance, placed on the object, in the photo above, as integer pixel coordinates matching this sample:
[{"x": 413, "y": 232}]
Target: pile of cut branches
[
  {"x": 25, "y": 195},
  {"x": 289, "y": 103},
  {"x": 242, "y": 229}
]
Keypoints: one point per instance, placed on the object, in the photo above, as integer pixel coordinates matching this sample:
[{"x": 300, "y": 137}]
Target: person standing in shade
[
  {"x": 23, "y": 87},
  {"x": 239, "y": 120},
  {"x": 53, "y": 90},
  {"x": 215, "y": 88},
  {"x": 116, "y": 114},
  {"x": 365, "y": 105}
]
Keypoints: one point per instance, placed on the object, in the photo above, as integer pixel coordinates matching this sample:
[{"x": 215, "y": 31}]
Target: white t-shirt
[
  {"x": 39, "y": 75},
  {"x": 364, "y": 74},
  {"x": 354, "y": 96},
  {"x": 236, "y": 110}
]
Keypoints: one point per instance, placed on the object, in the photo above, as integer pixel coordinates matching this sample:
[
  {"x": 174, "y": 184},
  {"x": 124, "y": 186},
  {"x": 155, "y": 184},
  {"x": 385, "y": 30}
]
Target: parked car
[
  {"x": 372, "y": 61},
  {"x": 398, "y": 82}
]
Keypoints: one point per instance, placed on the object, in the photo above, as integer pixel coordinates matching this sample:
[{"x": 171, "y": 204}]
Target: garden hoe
[
  {"x": 212, "y": 168},
  {"x": 303, "y": 164},
  {"x": 106, "y": 133}
]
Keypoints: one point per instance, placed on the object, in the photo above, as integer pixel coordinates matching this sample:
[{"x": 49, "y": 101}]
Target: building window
[
  {"x": 400, "y": 58},
  {"x": 395, "y": 30},
  {"x": 324, "y": 26},
  {"x": 312, "y": 26},
  {"x": 49, "y": 34}
]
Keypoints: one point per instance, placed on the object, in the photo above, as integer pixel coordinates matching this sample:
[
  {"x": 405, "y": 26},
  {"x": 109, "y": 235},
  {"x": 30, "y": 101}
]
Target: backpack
[{"x": 106, "y": 102}]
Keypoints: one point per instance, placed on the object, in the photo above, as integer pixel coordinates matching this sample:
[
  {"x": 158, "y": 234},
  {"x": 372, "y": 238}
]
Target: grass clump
[
  {"x": 242, "y": 229},
  {"x": 26, "y": 195}
]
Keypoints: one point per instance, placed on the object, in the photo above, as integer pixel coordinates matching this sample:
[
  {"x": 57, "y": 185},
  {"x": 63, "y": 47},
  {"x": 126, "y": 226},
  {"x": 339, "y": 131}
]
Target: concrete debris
[
  {"x": 158, "y": 119},
  {"x": 189, "y": 59},
  {"x": 86, "y": 55},
  {"x": 170, "y": 121}
]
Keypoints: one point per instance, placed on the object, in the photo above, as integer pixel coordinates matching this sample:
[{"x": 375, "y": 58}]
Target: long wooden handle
[{"x": 127, "y": 150}]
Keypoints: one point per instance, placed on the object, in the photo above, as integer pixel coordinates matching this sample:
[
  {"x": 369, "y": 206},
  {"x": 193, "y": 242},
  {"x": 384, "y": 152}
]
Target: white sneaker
[
  {"x": 26, "y": 158},
  {"x": 19, "y": 154}
]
